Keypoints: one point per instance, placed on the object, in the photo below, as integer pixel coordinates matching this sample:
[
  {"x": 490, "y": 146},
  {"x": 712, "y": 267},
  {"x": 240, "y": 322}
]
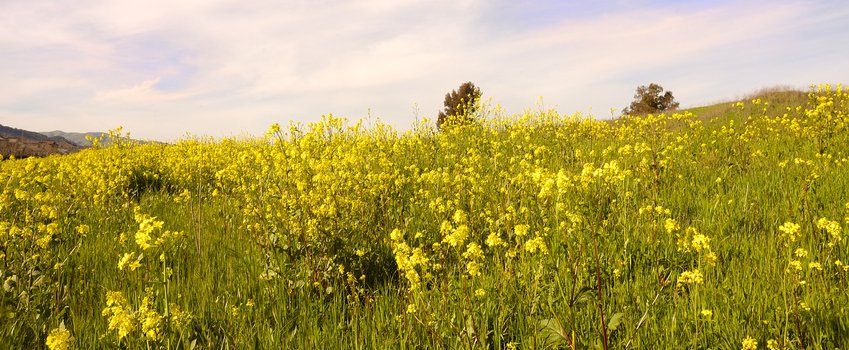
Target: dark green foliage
[{"x": 651, "y": 99}]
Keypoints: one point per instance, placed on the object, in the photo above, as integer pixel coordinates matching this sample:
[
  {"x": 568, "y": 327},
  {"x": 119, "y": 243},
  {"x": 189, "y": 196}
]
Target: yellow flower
[
  {"x": 183, "y": 197},
  {"x": 413, "y": 276},
  {"x": 536, "y": 244},
  {"x": 459, "y": 217},
  {"x": 790, "y": 231},
  {"x": 473, "y": 268},
  {"x": 52, "y": 228},
  {"x": 125, "y": 260},
  {"x": 494, "y": 240},
  {"x": 143, "y": 239},
  {"x": 710, "y": 257},
  {"x": 707, "y": 313},
  {"x": 44, "y": 241},
  {"x": 691, "y": 277},
  {"x": 833, "y": 228},
  {"x": 521, "y": 230},
  {"x": 701, "y": 242},
  {"x": 473, "y": 251},
  {"x": 418, "y": 257},
  {"x": 147, "y": 224},
  {"x": 458, "y": 236},
  {"x": 396, "y": 235},
  {"x": 119, "y": 314},
  {"x": 750, "y": 343},
  {"x": 671, "y": 225},
  {"x": 149, "y": 319},
  {"x": 795, "y": 265},
  {"x": 59, "y": 338},
  {"x": 272, "y": 130},
  {"x": 179, "y": 318},
  {"x": 772, "y": 344},
  {"x": 83, "y": 230}
]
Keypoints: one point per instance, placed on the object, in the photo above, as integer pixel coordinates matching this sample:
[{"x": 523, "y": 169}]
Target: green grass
[{"x": 277, "y": 232}]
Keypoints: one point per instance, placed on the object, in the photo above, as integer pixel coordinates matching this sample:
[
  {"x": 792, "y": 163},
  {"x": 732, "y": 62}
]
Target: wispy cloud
[
  {"x": 143, "y": 93},
  {"x": 164, "y": 68}
]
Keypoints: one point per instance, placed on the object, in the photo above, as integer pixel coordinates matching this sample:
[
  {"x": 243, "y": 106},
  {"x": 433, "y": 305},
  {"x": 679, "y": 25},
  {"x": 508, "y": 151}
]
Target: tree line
[{"x": 460, "y": 104}]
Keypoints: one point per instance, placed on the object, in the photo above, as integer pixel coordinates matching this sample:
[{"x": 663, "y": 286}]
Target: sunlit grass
[{"x": 533, "y": 231}]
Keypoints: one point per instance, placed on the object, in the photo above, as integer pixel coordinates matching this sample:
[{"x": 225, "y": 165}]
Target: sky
[{"x": 165, "y": 69}]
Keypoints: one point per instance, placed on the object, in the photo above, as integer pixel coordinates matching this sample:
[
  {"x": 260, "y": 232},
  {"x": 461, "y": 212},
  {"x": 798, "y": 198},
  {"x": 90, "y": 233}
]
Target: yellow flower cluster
[
  {"x": 179, "y": 318},
  {"x": 124, "y": 319},
  {"x": 750, "y": 343},
  {"x": 521, "y": 201},
  {"x": 833, "y": 228},
  {"x": 410, "y": 261},
  {"x": 494, "y": 240},
  {"x": 671, "y": 225},
  {"x": 690, "y": 240},
  {"x": 789, "y": 232},
  {"x": 60, "y": 339},
  {"x": 690, "y": 277},
  {"x": 129, "y": 260},
  {"x": 149, "y": 320},
  {"x": 119, "y": 314},
  {"x": 521, "y": 230},
  {"x": 536, "y": 244}
]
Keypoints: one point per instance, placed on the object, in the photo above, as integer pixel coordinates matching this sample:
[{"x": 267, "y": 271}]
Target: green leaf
[
  {"x": 552, "y": 331},
  {"x": 470, "y": 326},
  {"x": 614, "y": 321},
  {"x": 584, "y": 295}
]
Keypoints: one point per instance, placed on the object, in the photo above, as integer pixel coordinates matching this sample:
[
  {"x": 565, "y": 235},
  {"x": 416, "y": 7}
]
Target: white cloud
[{"x": 143, "y": 93}]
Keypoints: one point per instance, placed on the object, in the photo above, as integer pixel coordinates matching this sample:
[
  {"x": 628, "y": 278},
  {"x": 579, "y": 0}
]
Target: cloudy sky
[{"x": 165, "y": 68}]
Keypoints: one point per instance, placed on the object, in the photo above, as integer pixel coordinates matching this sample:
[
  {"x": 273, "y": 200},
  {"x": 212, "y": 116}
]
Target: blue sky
[{"x": 165, "y": 68}]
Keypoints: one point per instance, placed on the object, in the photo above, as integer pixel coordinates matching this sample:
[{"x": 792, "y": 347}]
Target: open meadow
[{"x": 713, "y": 228}]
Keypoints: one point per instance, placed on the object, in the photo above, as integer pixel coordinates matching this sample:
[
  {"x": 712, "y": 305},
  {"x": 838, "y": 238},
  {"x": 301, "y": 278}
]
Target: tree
[
  {"x": 651, "y": 99},
  {"x": 459, "y": 105}
]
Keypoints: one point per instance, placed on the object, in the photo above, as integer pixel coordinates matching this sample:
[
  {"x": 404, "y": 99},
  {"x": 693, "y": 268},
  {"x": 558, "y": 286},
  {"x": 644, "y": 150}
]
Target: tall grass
[{"x": 543, "y": 231}]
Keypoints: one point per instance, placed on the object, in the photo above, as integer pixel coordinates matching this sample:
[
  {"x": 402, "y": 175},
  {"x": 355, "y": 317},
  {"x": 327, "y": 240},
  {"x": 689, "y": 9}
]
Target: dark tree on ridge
[
  {"x": 459, "y": 106},
  {"x": 651, "y": 99}
]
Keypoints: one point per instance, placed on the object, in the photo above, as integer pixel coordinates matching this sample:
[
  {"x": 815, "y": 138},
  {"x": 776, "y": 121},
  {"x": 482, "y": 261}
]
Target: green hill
[
  {"x": 542, "y": 231},
  {"x": 772, "y": 101}
]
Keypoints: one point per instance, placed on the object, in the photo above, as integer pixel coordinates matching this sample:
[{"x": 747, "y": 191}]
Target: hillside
[
  {"x": 668, "y": 231},
  {"x": 772, "y": 101},
  {"x": 22, "y": 143},
  {"x": 78, "y": 138}
]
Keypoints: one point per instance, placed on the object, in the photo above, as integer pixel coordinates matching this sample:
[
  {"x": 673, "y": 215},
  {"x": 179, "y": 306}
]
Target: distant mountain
[
  {"x": 78, "y": 138},
  {"x": 7, "y": 132},
  {"x": 23, "y": 143}
]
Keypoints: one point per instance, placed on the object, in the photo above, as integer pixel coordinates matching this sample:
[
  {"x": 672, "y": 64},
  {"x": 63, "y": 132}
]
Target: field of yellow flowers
[{"x": 538, "y": 231}]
